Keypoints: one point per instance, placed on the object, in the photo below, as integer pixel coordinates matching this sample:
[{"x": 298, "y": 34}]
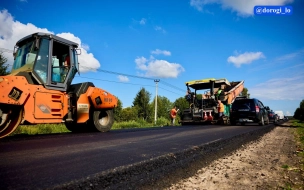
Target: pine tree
[
  {"x": 3, "y": 67},
  {"x": 141, "y": 101}
]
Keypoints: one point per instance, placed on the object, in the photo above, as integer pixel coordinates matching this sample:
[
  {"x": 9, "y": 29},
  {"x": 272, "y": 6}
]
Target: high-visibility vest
[{"x": 218, "y": 92}]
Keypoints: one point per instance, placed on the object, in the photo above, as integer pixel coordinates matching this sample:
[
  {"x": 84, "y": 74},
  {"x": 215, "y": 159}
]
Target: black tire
[
  {"x": 103, "y": 120},
  {"x": 14, "y": 118},
  {"x": 79, "y": 127},
  {"x": 262, "y": 122},
  {"x": 232, "y": 122},
  {"x": 268, "y": 122},
  {"x": 70, "y": 127},
  {"x": 243, "y": 123}
]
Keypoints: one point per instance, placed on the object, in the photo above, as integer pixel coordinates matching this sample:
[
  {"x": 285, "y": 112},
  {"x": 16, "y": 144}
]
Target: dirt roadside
[{"x": 269, "y": 163}]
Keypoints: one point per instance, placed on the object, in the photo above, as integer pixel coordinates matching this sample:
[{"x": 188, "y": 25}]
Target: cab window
[
  {"x": 61, "y": 62},
  {"x": 41, "y": 66},
  {"x": 75, "y": 57},
  {"x": 25, "y": 55}
]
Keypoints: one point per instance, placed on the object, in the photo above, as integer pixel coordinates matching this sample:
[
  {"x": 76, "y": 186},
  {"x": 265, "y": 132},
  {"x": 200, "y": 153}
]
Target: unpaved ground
[{"x": 270, "y": 163}]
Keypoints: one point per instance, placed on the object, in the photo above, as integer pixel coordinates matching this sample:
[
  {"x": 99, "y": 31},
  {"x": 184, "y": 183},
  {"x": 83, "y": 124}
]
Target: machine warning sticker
[
  {"x": 83, "y": 108},
  {"x": 44, "y": 108}
]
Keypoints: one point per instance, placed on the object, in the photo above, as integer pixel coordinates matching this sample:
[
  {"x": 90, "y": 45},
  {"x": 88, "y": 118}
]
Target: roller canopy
[{"x": 205, "y": 83}]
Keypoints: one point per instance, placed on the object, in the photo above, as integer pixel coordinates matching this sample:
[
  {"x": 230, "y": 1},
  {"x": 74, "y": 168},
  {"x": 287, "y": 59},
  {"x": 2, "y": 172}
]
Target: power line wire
[
  {"x": 134, "y": 76},
  {"x": 172, "y": 86},
  {"x": 114, "y": 81},
  {"x": 112, "y": 72},
  {"x": 127, "y": 83}
]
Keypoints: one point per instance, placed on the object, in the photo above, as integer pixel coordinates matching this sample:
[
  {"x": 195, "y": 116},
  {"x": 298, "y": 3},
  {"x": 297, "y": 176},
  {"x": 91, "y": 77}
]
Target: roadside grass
[
  {"x": 287, "y": 187},
  {"x": 40, "y": 129},
  {"x": 299, "y": 131},
  {"x": 60, "y": 128},
  {"x": 299, "y": 137},
  {"x": 140, "y": 124}
]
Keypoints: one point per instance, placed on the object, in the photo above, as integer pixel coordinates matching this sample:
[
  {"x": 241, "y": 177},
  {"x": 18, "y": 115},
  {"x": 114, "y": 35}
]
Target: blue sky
[{"x": 174, "y": 41}]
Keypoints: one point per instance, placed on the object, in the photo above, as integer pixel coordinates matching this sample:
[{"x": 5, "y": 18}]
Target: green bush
[
  {"x": 162, "y": 121},
  {"x": 126, "y": 125}
]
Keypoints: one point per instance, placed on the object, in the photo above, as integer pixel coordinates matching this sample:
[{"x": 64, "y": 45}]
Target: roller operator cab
[{"x": 40, "y": 90}]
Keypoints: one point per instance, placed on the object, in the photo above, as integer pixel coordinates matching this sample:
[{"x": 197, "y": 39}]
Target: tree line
[
  {"x": 299, "y": 113},
  {"x": 144, "y": 109}
]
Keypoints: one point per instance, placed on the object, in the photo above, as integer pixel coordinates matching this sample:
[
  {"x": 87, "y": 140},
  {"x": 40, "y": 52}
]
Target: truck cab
[{"x": 46, "y": 59}]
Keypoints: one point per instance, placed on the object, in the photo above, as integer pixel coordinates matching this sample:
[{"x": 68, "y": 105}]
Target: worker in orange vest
[
  {"x": 173, "y": 113},
  {"x": 220, "y": 108}
]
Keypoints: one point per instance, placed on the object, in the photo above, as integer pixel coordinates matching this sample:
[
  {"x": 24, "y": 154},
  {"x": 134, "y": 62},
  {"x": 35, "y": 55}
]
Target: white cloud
[
  {"x": 141, "y": 63},
  {"x": 199, "y": 4},
  {"x": 143, "y": 21},
  {"x": 158, "y": 68},
  {"x": 245, "y": 58},
  {"x": 158, "y": 51},
  {"x": 296, "y": 57},
  {"x": 123, "y": 78},
  {"x": 158, "y": 28},
  {"x": 242, "y": 7},
  {"x": 11, "y": 31},
  {"x": 291, "y": 56},
  {"x": 285, "y": 88}
]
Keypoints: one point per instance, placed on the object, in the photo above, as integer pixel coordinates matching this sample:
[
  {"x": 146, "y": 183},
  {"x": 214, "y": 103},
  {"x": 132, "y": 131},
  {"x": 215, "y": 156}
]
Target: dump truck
[
  {"x": 40, "y": 90},
  {"x": 204, "y": 109}
]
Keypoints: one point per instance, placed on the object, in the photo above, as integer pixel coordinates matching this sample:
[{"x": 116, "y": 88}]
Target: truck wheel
[
  {"x": 227, "y": 121},
  {"x": 103, "y": 120},
  {"x": 70, "y": 127},
  {"x": 11, "y": 120},
  {"x": 268, "y": 122},
  {"x": 262, "y": 123}
]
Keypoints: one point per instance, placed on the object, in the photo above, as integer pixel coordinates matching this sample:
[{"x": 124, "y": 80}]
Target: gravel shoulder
[{"x": 269, "y": 163}]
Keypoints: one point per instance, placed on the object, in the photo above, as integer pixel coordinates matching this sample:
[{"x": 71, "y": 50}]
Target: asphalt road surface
[{"x": 45, "y": 161}]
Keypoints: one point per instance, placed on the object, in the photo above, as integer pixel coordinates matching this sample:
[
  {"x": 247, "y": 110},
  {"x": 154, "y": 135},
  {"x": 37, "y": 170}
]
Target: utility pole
[{"x": 155, "y": 116}]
